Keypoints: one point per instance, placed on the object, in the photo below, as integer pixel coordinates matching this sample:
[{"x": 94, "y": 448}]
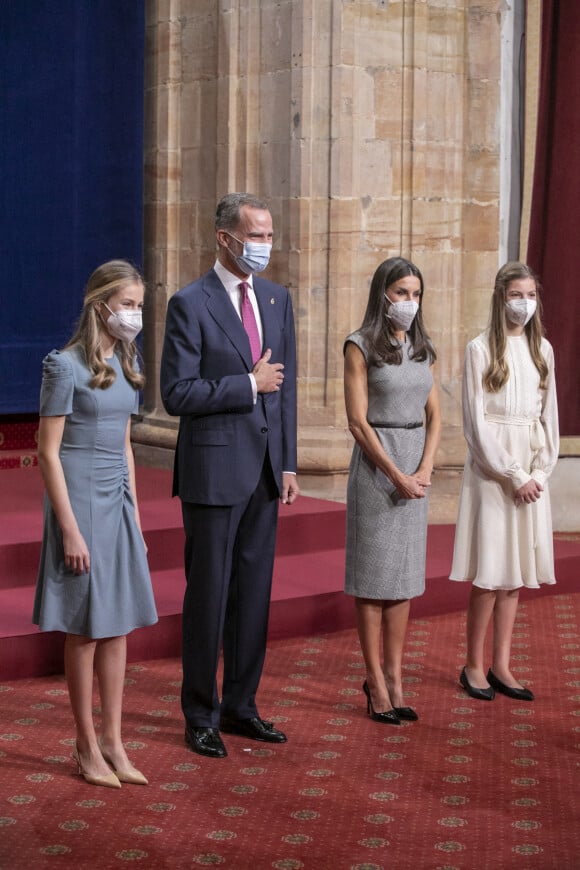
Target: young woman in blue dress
[{"x": 93, "y": 581}]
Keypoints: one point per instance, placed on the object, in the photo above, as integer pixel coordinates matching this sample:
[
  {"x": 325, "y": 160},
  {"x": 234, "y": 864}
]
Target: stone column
[{"x": 372, "y": 130}]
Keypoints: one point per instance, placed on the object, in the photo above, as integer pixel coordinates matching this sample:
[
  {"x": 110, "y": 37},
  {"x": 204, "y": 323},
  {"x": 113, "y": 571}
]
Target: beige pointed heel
[
  {"x": 109, "y": 781},
  {"x": 131, "y": 777}
]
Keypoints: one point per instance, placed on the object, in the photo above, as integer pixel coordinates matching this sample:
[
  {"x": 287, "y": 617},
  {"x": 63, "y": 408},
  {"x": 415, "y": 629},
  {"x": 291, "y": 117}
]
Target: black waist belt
[{"x": 397, "y": 425}]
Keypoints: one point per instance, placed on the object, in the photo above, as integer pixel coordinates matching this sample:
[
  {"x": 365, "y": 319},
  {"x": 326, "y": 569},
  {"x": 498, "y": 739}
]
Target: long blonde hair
[
  {"x": 497, "y": 373},
  {"x": 104, "y": 282}
]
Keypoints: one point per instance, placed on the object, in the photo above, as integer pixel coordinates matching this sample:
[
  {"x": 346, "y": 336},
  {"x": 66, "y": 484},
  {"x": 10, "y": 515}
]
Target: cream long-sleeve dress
[{"x": 512, "y": 436}]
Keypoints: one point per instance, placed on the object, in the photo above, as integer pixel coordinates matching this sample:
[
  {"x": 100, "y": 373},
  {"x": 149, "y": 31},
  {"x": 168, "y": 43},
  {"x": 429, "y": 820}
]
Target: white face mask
[
  {"x": 402, "y": 314},
  {"x": 254, "y": 258},
  {"x": 520, "y": 311},
  {"x": 125, "y": 325}
]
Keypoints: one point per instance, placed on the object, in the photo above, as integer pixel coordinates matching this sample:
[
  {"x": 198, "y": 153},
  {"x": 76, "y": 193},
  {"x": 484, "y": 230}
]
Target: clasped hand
[
  {"x": 269, "y": 376},
  {"x": 528, "y": 493},
  {"x": 412, "y": 485}
]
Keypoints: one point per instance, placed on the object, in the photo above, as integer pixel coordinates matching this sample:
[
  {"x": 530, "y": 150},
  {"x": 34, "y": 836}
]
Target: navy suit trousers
[{"x": 229, "y": 557}]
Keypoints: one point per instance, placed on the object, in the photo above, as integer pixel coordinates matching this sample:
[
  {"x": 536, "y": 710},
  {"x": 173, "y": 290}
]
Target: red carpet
[
  {"x": 18, "y": 441},
  {"x": 308, "y": 577},
  {"x": 307, "y": 581},
  {"x": 471, "y": 785}
]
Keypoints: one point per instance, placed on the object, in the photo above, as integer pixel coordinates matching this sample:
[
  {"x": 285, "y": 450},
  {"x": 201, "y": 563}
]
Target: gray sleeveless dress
[
  {"x": 386, "y": 536},
  {"x": 115, "y": 596}
]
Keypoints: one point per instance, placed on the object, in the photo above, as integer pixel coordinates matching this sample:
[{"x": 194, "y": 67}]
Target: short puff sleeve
[{"x": 56, "y": 392}]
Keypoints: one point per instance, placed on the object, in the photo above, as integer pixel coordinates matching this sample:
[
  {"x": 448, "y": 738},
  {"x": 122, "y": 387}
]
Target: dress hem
[
  {"x": 99, "y": 636},
  {"x": 384, "y": 598},
  {"x": 496, "y": 588}
]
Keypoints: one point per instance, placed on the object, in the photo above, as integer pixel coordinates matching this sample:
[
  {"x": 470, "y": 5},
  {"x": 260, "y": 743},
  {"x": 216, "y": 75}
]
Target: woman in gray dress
[
  {"x": 93, "y": 579},
  {"x": 393, "y": 413}
]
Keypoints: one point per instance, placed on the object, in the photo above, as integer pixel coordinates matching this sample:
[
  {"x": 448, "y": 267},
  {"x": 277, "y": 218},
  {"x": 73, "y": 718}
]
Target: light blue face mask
[{"x": 255, "y": 256}]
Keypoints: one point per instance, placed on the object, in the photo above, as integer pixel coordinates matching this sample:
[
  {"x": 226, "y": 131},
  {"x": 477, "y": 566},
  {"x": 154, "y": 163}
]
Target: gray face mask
[
  {"x": 125, "y": 325},
  {"x": 402, "y": 314},
  {"x": 254, "y": 258},
  {"x": 520, "y": 311}
]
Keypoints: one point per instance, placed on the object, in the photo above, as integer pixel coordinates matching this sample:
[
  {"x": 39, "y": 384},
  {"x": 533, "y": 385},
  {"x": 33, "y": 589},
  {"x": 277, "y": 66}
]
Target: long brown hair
[
  {"x": 497, "y": 373},
  {"x": 104, "y": 282},
  {"x": 379, "y": 334}
]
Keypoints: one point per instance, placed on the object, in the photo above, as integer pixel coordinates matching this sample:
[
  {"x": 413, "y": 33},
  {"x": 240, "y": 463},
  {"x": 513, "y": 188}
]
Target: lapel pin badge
[{"x": 272, "y": 301}]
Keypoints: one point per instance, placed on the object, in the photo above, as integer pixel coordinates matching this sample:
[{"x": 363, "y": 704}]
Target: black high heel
[
  {"x": 406, "y": 713},
  {"x": 389, "y": 717}
]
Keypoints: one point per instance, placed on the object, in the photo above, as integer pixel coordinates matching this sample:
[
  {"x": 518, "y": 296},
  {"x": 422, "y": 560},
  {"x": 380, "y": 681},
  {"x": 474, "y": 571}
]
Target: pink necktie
[{"x": 250, "y": 325}]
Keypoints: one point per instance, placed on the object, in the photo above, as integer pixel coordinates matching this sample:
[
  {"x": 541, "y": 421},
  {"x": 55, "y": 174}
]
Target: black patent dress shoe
[
  {"x": 254, "y": 729},
  {"x": 205, "y": 741},
  {"x": 480, "y": 694},
  {"x": 406, "y": 713},
  {"x": 510, "y": 691},
  {"x": 387, "y": 717}
]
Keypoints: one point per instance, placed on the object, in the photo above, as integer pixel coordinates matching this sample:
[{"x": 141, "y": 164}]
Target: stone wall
[{"x": 372, "y": 128}]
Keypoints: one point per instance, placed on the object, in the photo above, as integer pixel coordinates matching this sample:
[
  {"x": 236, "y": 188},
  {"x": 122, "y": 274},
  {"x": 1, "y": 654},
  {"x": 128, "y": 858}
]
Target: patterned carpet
[{"x": 471, "y": 785}]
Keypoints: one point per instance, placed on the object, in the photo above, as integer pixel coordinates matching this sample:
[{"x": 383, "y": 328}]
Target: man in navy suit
[{"x": 229, "y": 371}]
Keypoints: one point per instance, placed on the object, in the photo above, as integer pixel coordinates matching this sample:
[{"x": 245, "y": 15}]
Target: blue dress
[{"x": 115, "y": 596}]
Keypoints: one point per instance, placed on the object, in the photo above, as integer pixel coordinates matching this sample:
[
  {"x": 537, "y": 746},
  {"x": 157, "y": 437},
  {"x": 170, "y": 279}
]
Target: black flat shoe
[
  {"x": 205, "y": 741},
  {"x": 480, "y": 694},
  {"x": 406, "y": 713},
  {"x": 389, "y": 717},
  {"x": 510, "y": 691},
  {"x": 254, "y": 729}
]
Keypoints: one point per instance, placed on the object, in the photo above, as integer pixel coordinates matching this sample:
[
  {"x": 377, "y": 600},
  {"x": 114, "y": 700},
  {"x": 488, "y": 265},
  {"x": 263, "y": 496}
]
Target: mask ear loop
[
  {"x": 98, "y": 309},
  {"x": 227, "y": 247}
]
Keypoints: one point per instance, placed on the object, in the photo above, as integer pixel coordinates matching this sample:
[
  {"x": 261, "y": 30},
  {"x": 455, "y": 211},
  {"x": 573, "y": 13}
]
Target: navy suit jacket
[{"x": 223, "y": 436}]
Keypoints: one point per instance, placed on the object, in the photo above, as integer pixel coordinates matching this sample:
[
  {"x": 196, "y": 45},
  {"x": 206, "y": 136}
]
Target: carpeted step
[
  {"x": 306, "y": 597},
  {"x": 309, "y": 556},
  {"x": 307, "y": 591},
  {"x": 311, "y": 525},
  {"x": 18, "y": 433},
  {"x": 18, "y": 442},
  {"x": 11, "y": 459}
]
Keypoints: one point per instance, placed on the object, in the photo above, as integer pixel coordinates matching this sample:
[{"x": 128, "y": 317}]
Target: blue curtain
[{"x": 71, "y": 169}]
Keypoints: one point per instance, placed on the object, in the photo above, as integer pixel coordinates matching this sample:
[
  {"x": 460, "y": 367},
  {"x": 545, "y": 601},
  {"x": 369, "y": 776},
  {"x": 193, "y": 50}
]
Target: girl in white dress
[{"x": 503, "y": 539}]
